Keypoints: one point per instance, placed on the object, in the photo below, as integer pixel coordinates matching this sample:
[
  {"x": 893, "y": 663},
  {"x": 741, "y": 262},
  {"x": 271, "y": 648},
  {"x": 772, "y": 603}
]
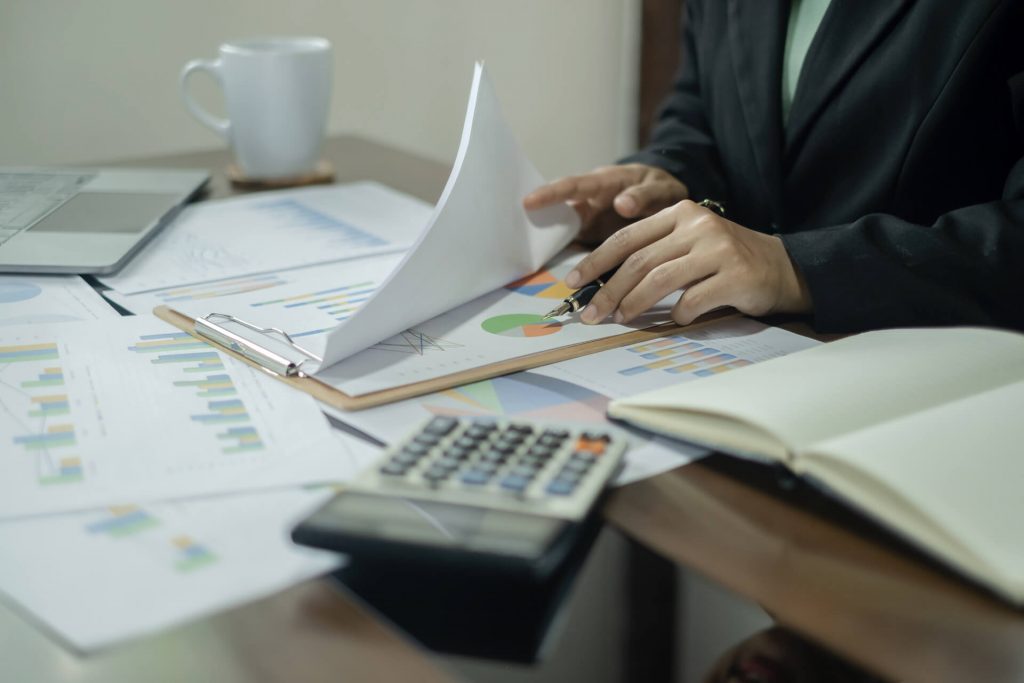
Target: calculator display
[{"x": 405, "y": 520}]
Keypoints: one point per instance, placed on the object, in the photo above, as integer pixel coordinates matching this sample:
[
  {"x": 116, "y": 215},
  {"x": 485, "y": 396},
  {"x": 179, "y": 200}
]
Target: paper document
[
  {"x": 128, "y": 410},
  {"x": 305, "y": 302},
  {"x": 503, "y": 324},
  {"x": 100, "y": 577},
  {"x": 273, "y": 231},
  {"x": 478, "y": 239},
  {"x": 40, "y": 299},
  {"x": 580, "y": 389}
]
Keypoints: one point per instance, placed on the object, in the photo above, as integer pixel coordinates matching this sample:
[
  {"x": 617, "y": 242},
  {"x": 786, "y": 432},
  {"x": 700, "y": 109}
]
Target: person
[{"x": 868, "y": 154}]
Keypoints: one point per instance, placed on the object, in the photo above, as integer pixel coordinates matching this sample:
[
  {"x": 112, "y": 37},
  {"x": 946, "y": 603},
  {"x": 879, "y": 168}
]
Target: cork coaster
[{"x": 321, "y": 175}]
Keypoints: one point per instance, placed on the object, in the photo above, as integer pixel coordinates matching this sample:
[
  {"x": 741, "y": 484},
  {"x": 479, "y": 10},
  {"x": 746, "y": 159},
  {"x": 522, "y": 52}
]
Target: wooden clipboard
[{"x": 342, "y": 401}]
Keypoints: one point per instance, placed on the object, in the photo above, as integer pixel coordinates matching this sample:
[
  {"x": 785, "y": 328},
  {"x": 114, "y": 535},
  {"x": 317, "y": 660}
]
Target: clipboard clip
[{"x": 211, "y": 327}]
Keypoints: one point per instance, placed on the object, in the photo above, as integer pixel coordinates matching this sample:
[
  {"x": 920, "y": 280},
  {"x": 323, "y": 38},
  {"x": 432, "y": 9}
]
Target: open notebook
[{"x": 919, "y": 429}]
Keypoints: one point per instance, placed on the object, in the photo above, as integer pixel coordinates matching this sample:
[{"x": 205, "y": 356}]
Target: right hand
[{"x": 610, "y": 197}]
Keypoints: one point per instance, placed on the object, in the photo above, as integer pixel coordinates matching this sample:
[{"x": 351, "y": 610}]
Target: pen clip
[{"x": 265, "y": 358}]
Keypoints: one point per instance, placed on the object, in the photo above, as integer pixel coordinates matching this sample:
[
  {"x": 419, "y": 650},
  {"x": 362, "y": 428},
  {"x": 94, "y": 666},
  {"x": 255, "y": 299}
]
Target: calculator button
[
  {"x": 524, "y": 471},
  {"x": 494, "y": 455},
  {"x": 559, "y": 434},
  {"x": 511, "y": 438},
  {"x": 417, "y": 449},
  {"x": 514, "y": 482},
  {"x": 427, "y": 439},
  {"x": 393, "y": 470},
  {"x": 485, "y": 424},
  {"x": 541, "y": 451},
  {"x": 597, "y": 447},
  {"x": 441, "y": 426},
  {"x": 521, "y": 428},
  {"x": 475, "y": 478},
  {"x": 477, "y": 433},
  {"x": 436, "y": 474},
  {"x": 448, "y": 464},
  {"x": 583, "y": 456},
  {"x": 549, "y": 441},
  {"x": 560, "y": 487},
  {"x": 405, "y": 459},
  {"x": 457, "y": 453},
  {"x": 596, "y": 436},
  {"x": 489, "y": 468},
  {"x": 569, "y": 476},
  {"x": 574, "y": 465},
  {"x": 503, "y": 447},
  {"x": 465, "y": 442}
]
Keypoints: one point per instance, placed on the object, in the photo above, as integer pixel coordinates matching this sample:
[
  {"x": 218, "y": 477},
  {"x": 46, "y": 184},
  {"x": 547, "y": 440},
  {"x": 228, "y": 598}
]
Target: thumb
[{"x": 649, "y": 198}]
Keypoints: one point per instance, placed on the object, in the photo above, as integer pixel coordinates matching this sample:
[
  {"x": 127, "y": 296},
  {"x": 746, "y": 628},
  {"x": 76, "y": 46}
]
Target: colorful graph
[
  {"x": 292, "y": 212},
  {"x": 19, "y": 290},
  {"x": 194, "y": 356},
  {"x": 212, "y": 290},
  {"x": 680, "y": 354},
  {"x": 415, "y": 343},
  {"x": 49, "y": 377},
  {"x": 524, "y": 394},
  {"x": 520, "y": 325},
  {"x": 67, "y": 471},
  {"x": 125, "y": 520},
  {"x": 190, "y": 554},
  {"x": 28, "y": 352},
  {"x": 55, "y": 436},
  {"x": 49, "y": 406},
  {"x": 544, "y": 284}
]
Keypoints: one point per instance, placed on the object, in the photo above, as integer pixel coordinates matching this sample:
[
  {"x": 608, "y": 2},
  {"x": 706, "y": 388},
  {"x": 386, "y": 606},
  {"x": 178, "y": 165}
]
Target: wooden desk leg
[{"x": 651, "y": 641}]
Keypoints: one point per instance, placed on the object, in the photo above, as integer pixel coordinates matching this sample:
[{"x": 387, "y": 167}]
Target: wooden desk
[{"x": 875, "y": 606}]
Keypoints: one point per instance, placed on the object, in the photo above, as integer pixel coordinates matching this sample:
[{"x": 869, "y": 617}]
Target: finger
[
  {"x": 619, "y": 246},
  {"x": 698, "y": 299},
  {"x": 661, "y": 281},
  {"x": 576, "y": 187},
  {"x": 646, "y": 198},
  {"x": 629, "y": 275}
]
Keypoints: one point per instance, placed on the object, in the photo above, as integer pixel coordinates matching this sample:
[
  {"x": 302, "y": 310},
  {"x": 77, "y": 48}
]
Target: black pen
[{"x": 581, "y": 297}]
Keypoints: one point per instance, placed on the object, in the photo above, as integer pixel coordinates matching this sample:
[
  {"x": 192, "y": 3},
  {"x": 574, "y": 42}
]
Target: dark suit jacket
[{"x": 898, "y": 184}]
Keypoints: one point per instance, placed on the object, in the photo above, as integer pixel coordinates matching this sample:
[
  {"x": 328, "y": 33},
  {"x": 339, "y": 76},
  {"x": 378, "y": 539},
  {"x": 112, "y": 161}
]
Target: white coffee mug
[{"x": 278, "y": 92}]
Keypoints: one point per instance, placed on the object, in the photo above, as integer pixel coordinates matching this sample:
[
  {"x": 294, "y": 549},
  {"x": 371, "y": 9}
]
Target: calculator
[{"x": 496, "y": 492}]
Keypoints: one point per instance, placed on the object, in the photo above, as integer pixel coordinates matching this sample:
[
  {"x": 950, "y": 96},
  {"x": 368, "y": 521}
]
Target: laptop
[{"x": 85, "y": 220}]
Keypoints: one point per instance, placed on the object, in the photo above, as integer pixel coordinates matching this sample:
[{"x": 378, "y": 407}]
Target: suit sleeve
[
  {"x": 682, "y": 142},
  {"x": 881, "y": 271}
]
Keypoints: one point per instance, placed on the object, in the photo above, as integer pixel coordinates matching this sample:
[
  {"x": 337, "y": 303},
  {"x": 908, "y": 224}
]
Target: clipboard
[{"x": 289, "y": 371}]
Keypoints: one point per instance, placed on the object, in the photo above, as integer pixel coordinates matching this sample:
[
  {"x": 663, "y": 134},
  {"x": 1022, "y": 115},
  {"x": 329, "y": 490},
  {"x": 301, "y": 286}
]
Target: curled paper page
[{"x": 478, "y": 238}]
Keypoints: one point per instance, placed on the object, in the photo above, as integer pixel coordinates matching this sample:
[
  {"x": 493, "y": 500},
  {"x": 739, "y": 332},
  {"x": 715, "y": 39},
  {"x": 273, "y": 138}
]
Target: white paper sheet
[
  {"x": 579, "y": 390},
  {"x": 41, "y": 299},
  {"x": 271, "y": 231},
  {"x": 131, "y": 410},
  {"x": 305, "y": 302},
  {"x": 97, "y": 578},
  {"x": 479, "y": 237},
  {"x": 497, "y": 326}
]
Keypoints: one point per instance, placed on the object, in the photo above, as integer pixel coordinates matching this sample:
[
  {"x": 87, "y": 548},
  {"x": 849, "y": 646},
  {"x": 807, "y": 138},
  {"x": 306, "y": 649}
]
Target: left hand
[{"x": 715, "y": 261}]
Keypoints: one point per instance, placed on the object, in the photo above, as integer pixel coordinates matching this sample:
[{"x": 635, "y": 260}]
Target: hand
[
  {"x": 715, "y": 261},
  {"x": 609, "y": 197}
]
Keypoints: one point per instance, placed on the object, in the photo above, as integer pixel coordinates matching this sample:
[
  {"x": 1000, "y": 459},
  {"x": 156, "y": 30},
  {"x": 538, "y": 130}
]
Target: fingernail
[
  {"x": 618, "y": 318},
  {"x": 573, "y": 279},
  {"x": 590, "y": 315},
  {"x": 626, "y": 204}
]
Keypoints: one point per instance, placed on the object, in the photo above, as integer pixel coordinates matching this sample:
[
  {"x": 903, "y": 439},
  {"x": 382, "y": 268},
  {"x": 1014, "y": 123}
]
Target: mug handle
[{"x": 212, "y": 67}]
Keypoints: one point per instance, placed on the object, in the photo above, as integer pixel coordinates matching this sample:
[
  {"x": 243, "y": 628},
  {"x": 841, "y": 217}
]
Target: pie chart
[
  {"x": 544, "y": 284},
  {"x": 525, "y": 395},
  {"x": 520, "y": 325},
  {"x": 17, "y": 290}
]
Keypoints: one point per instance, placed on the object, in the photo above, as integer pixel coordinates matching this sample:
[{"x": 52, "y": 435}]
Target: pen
[{"x": 581, "y": 297}]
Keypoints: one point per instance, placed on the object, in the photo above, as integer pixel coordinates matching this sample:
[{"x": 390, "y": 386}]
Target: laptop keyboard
[{"x": 27, "y": 197}]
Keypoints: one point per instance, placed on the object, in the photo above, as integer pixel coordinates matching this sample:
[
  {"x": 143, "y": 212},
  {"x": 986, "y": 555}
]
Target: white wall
[{"x": 87, "y": 80}]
